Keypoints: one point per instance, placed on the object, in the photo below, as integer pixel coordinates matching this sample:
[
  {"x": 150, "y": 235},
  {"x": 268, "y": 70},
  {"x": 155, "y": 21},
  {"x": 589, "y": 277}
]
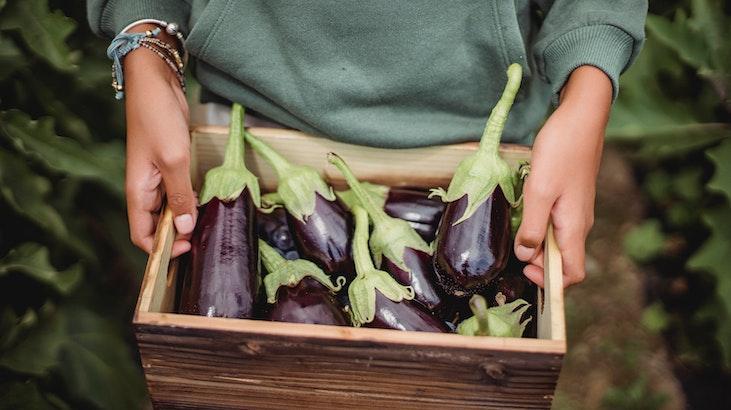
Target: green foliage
[
  {"x": 645, "y": 241},
  {"x": 674, "y": 112},
  {"x": 64, "y": 315},
  {"x": 635, "y": 396}
]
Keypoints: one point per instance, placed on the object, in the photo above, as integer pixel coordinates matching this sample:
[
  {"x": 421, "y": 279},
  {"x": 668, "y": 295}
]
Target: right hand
[{"x": 158, "y": 148}]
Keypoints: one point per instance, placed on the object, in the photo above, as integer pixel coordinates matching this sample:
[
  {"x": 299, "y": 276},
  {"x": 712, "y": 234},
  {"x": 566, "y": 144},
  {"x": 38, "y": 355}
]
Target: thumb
[
  {"x": 180, "y": 196},
  {"x": 532, "y": 231}
]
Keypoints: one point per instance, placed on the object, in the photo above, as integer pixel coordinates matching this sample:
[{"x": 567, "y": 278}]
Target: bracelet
[
  {"x": 171, "y": 28},
  {"x": 124, "y": 43}
]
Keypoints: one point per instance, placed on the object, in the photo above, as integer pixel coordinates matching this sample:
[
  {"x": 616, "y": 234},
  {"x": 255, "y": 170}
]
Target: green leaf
[
  {"x": 96, "y": 365},
  {"x": 681, "y": 37},
  {"x": 43, "y": 31},
  {"x": 31, "y": 259},
  {"x": 655, "y": 318},
  {"x": 37, "y": 139},
  {"x": 23, "y": 394},
  {"x": 721, "y": 158},
  {"x": 11, "y": 58},
  {"x": 645, "y": 241},
  {"x": 35, "y": 353},
  {"x": 712, "y": 257}
]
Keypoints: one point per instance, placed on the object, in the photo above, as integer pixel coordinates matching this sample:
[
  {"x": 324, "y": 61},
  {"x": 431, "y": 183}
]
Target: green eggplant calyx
[
  {"x": 391, "y": 236},
  {"x": 362, "y": 291},
  {"x": 284, "y": 272},
  {"x": 298, "y": 185},
  {"x": 377, "y": 192},
  {"x": 479, "y": 174},
  {"x": 500, "y": 321},
  {"x": 227, "y": 181},
  {"x": 270, "y": 202}
]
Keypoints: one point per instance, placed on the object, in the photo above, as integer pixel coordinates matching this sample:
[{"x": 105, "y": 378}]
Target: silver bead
[{"x": 171, "y": 29}]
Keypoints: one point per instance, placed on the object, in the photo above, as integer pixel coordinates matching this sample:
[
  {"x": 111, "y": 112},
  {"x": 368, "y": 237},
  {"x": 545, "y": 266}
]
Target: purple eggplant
[
  {"x": 377, "y": 299},
  {"x": 396, "y": 247},
  {"x": 223, "y": 279},
  {"x": 473, "y": 240},
  {"x": 321, "y": 226},
  {"x": 412, "y": 205},
  {"x": 274, "y": 229},
  {"x": 299, "y": 291}
]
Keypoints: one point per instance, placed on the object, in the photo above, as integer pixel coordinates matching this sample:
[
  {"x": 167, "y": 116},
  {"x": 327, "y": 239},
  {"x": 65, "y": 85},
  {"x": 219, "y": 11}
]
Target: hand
[
  {"x": 562, "y": 182},
  {"x": 158, "y": 148}
]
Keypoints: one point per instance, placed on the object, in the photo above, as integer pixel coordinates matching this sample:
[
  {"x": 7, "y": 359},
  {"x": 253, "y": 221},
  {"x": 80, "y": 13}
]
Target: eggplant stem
[
  {"x": 490, "y": 141},
  {"x": 378, "y": 215},
  {"x": 280, "y": 164},
  {"x": 478, "y": 305},
  {"x": 233, "y": 157},
  {"x": 361, "y": 254}
]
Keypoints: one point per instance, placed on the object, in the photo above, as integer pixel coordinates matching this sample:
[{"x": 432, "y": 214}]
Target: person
[{"x": 391, "y": 74}]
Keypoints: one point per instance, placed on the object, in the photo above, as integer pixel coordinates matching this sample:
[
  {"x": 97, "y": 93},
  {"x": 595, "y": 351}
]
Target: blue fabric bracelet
[{"x": 121, "y": 45}]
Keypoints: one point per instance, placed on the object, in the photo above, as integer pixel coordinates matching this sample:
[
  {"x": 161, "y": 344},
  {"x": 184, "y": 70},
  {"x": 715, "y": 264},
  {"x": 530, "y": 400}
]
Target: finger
[
  {"x": 536, "y": 210},
  {"x": 571, "y": 244},
  {"x": 143, "y": 201},
  {"x": 534, "y": 274},
  {"x": 174, "y": 167},
  {"x": 180, "y": 247}
]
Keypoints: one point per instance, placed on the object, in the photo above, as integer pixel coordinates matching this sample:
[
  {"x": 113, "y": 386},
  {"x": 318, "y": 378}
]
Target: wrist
[{"x": 588, "y": 95}]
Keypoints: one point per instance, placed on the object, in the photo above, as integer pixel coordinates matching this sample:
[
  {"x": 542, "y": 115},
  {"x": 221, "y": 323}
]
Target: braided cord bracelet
[{"x": 124, "y": 43}]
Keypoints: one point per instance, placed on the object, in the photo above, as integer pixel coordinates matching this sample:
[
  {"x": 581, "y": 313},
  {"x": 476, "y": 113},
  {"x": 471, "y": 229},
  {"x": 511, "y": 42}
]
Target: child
[{"x": 385, "y": 73}]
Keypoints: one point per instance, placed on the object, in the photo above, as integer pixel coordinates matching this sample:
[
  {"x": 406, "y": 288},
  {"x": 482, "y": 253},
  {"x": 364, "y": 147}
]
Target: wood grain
[
  {"x": 211, "y": 368},
  {"x": 198, "y": 362}
]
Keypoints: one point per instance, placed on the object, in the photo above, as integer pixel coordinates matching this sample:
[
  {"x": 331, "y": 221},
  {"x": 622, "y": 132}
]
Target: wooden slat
[
  {"x": 213, "y": 368},
  {"x": 155, "y": 290},
  {"x": 551, "y": 314}
]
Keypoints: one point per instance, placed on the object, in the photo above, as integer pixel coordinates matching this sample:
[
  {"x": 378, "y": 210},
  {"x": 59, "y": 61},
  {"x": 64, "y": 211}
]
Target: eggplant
[
  {"x": 412, "y": 205},
  {"x": 376, "y": 299},
  {"x": 274, "y": 229},
  {"x": 223, "y": 279},
  {"x": 299, "y": 291},
  {"x": 321, "y": 226},
  {"x": 396, "y": 247},
  {"x": 503, "y": 320},
  {"x": 473, "y": 239}
]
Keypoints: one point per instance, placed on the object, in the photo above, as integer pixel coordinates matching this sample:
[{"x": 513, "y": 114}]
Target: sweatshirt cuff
[
  {"x": 603, "y": 46},
  {"x": 117, "y": 14}
]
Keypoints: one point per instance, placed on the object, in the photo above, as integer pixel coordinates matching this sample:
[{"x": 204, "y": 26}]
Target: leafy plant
[
  {"x": 67, "y": 281},
  {"x": 674, "y": 112}
]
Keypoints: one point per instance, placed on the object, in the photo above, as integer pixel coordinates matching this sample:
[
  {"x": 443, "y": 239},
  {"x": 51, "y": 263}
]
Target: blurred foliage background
[{"x": 69, "y": 276}]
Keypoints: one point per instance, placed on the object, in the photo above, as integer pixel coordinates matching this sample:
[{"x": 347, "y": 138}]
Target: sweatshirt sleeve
[
  {"x": 604, "y": 34},
  {"x": 109, "y": 17}
]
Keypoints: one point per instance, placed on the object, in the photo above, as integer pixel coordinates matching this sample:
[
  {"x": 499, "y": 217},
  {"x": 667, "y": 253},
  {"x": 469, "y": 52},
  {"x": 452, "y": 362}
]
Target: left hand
[{"x": 562, "y": 183}]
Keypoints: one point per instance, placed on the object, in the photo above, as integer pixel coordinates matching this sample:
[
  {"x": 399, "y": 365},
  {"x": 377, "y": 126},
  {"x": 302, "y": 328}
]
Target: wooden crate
[{"x": 199, "y": 362}]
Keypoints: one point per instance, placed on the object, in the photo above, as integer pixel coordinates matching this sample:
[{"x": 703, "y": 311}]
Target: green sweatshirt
[{"x": 387, "y": 72}]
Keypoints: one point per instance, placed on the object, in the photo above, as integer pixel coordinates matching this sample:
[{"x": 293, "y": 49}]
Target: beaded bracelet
[{"x": 124, "y": 43}]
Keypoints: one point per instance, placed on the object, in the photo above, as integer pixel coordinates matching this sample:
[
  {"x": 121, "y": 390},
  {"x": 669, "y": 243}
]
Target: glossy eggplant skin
[
  {"x": 470, "y": 254},
  {"x": 307, "y": 302},
  {"x": 274, "y": 229},
  {"x": 223, "y": 277},
  {"x": 404, "y": 315},
  {"x": 421, "y": 278},
  {"x": 324, "y": 237},
  {"x": 415, "y": 207}
]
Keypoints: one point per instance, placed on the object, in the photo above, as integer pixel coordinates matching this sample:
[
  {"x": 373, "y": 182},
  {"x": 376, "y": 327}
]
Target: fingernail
[
  {"x": 524, "y": 253},
  {"x": 184, "y": 223}
]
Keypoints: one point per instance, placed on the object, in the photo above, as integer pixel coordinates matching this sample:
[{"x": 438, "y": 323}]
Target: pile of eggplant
[{"x": 371, "y": 256}]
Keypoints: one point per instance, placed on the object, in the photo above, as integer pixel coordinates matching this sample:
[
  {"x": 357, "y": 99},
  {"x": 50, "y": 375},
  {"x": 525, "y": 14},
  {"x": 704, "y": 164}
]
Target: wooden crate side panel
[
  {"x": 200, "y": 368},
  {"x": 425, "y": 167}
]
